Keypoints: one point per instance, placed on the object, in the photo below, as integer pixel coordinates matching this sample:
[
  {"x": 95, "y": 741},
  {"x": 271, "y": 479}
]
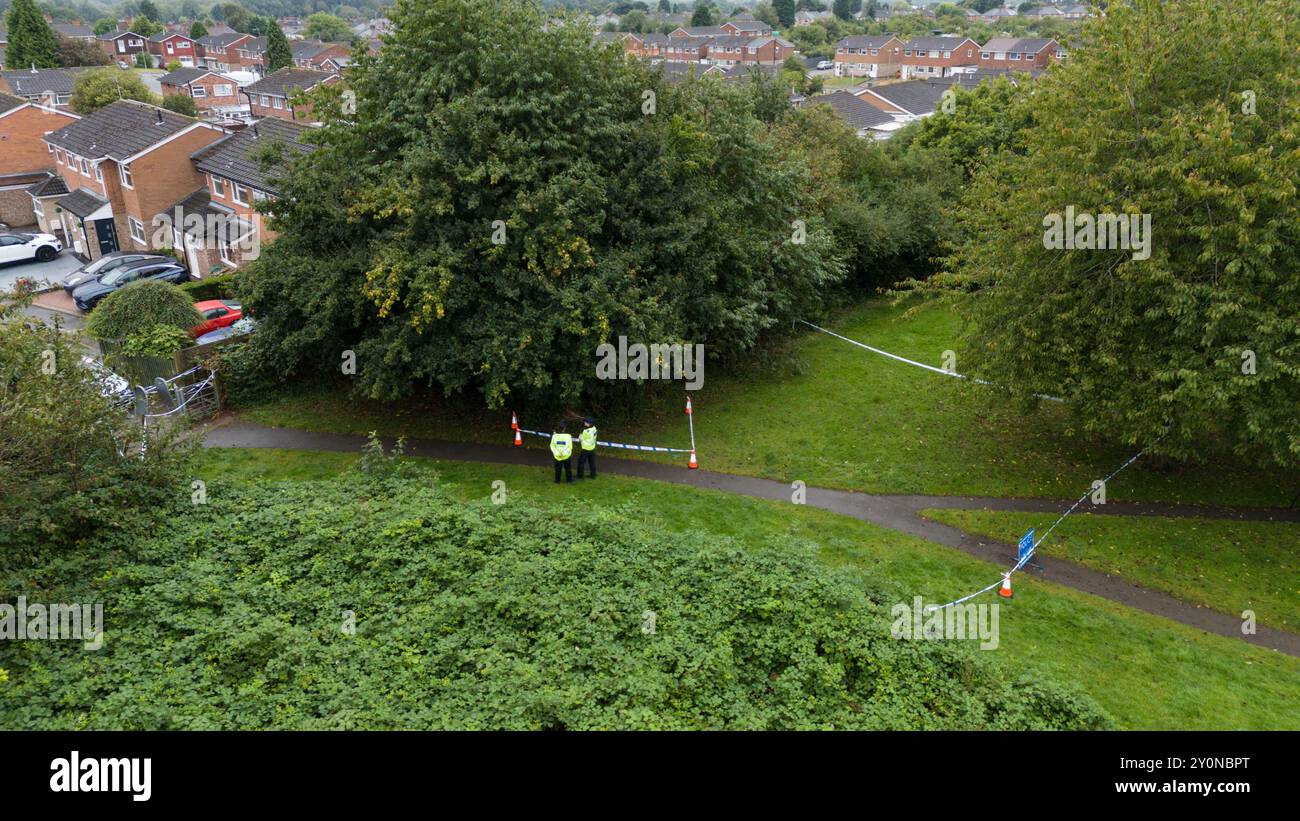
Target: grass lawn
[
  {"x": 848, "y": 419},
  {"x": 1223, "y": 565},
  {"x": 1147, "y": 672}
]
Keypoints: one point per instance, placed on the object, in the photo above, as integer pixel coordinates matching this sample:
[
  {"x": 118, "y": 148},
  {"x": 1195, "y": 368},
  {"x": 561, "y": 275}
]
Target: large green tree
[
  {"x": 278, "y": 53},
  {"x": 784, "y": 11},
  {"x": 328, "y": 27},
  {"x": 1189, "y": 335},
  {"x": 31, "y": 40},
  {"x": 92, "y": 90},
  {"x": 508, "y": 212}
]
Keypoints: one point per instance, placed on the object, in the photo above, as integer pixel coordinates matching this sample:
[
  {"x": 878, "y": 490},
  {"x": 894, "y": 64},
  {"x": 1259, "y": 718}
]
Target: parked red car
[{"x": 216, "y": 313}]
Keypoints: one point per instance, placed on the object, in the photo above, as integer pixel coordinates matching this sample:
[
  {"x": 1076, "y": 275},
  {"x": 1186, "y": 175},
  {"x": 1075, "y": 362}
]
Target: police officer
[
  {"x": 587, "y": 441},
  {"x": 562, "y": 449}
]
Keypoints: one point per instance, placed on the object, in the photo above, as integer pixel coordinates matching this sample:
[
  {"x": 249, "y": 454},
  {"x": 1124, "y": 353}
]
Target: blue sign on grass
[{"x": 1026, "y": 544}]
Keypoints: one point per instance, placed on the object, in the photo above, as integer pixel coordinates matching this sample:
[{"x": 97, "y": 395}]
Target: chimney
[
  {"x": 256, "y": 133},
  {"x": 160, "y": 117}
]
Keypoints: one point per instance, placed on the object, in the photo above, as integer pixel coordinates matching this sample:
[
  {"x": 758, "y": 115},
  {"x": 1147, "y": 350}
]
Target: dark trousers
[
  {"x": 568, "y": 470},
  {"x": 587, "y": 457}
]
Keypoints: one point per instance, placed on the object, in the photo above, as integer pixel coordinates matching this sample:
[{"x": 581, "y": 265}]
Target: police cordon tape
[
  {"x": 1005, "y": 581},
  {"x": 915, "y": 363},
  {"x": 692, "y": 464}
]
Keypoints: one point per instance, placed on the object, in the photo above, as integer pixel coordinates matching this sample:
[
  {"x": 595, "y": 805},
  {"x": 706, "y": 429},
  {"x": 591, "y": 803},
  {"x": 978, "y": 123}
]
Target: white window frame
[
  {"x": 58, "y": 155},
  {"x": 219, "y": 187},
  {"x": 132, "y": 224},
  {"x": 235, "y": 188},
  {"x": 277, "y": 103},
  {"x": 99, "y": 173},
  {"x": 198, "y": 92},
  {"x": 124, "y": 175}
]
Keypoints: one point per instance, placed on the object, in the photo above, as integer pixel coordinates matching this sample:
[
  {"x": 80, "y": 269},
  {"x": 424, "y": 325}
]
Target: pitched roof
[
  {"x": 82, "y": 202},
  {"x": 163, "y": 35},
  {"x": 184, "y": 75},
  {"x": 28, "y": 83},
  {"x": 920, "y": 97},
  {"x": 865, "y": 41},
  {"x": 73, "y": 30},
  {"x": 238, "y": 156},
  {"x": 197, "y": 203},
  {"x": 255, "y": 46},
  {"x": 221, "y": 40},
  {"x": 120, "y": 130},
  {"x": 1019, "y": 45},
  {"x": 935, "y": 43},
  {"x": 857, "y": 113},
  {"x": 53, "y": 186},
  {"x": 306, "y": 49},
  {"x": 9, "y": 103},
  {"x": 287, "y": 80}
]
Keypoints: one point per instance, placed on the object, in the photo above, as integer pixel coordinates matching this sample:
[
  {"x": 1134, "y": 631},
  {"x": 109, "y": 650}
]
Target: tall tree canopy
[
  {"x": 1187, "y": 113},
  {"x": 509, "y": 211},
  {"x": 278, "y": 53},
  {"x": 328, "y": 27},
  {"x": 31, "y": 40}
]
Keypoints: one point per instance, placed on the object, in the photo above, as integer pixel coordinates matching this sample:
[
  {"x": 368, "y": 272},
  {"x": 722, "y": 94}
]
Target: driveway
[{"x": 51, "y": 272}]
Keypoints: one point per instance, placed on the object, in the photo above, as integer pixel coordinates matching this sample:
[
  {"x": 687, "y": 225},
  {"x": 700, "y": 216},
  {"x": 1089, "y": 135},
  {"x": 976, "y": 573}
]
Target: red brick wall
[{"x": 22, "y": 139}]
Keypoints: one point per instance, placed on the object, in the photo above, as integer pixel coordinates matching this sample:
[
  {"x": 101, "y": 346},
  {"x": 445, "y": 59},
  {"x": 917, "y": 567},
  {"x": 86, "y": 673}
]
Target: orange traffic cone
[
  {"x": 688, "y": 406},
  {"x": 514, "y": 421},
  {"x": 693, "y": 465},
  {"x": 519, "y": 440},
  {"x": 1005, "y": 590}
]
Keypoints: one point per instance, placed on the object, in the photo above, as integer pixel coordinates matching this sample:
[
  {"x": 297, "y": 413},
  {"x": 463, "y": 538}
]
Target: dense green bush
[
  {"x": 140, "y": 306},
  {"x": 484, "y": 616},
  {"x": 219, "y": 286},
  {"x": 68, "y": 471}
]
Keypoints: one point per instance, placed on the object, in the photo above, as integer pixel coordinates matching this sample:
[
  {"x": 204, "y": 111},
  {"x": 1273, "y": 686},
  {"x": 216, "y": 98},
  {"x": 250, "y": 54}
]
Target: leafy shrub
[
  {"x": 67, "y": 470},
  {"x": 139, "y": 307},
  {"x": 181, "y": 104},
  {"x": 221, "y": 286},
  {"x": 484, "y": 616},
  {"x": 159, "y": 340}
]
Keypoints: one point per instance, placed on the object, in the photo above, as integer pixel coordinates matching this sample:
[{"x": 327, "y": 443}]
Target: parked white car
[
  {"x": 824, "y": 65},
  {"x": 20, "y": 247}
]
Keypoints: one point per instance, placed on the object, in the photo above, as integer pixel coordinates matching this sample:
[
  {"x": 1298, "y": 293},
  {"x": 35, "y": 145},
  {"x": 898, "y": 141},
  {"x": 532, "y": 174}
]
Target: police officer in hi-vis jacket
[
  {"x": 587, "y": 443},
  {"x": 562, "y": 449}
]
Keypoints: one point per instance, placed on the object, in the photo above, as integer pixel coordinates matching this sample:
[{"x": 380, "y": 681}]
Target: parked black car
[
  {"x": 88, "y": 294},
  {"x": 106, "y": 263}
]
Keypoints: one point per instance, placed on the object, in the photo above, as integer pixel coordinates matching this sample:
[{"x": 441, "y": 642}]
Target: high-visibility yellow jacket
[
  {"x": 588, "y": 438},
  {"x": 561, "y": 446}
]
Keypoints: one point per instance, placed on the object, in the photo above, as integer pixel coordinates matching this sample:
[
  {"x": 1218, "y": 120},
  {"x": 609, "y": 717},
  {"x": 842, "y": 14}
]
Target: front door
[{"x": 106, "y": 230}]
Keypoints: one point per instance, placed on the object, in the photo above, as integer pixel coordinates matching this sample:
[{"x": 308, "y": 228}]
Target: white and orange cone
[
  {"x": 1005, "y": 590},
  {"x": 693, "y": 465},
  {"x": 514, "y": 421},
  {"x": 519, "y": 440},
  {"x": 688, "y": 406}
]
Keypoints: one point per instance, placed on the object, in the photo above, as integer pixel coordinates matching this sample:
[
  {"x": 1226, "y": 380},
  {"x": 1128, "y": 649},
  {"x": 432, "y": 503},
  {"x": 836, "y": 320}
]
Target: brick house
[
  {"x": 235, "y": 181},
  {"x": 209, "y": 90},
  {"x": 269, "y": 96},
  {"x": 219, "y": 51},
  {"x": 747, "y": 50},
  {"x": 686, "y": 49},
  {"x": 171, "y": 47},
  {"x": 864, "y": 56},
  {"x": 649, "y": 46},
  {"x": 23, "y": 126},
  {"x": 313, "y": 53},
  {"x": 51, "y": 87},
  {"x": 123, "y": 46},
  {"x": 250, "y": 55},
  {"x": 122, "y": 165},
  {"x": 1020, "y": 53},
  {"x": 926, "y": 57}
]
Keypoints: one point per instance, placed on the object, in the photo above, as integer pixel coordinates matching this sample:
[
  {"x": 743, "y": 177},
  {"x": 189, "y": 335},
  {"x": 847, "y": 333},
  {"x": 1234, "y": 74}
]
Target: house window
[
  {"x": 170, "y": 48},
  {"x": 219, "y": 187},
  {"x": 223, "y": 90},
  {"x": 124, "y": 171},
  {"x": 58, "y": 156},
  {"x": 279, "y": 102},
  {"x": 198, "y": 91},
  {"x": 907, "y": 52},
  {"x": 85, "y": 167},
  {"x": 99, "y": 173},
  {"x": 874, "y": 52},
  {"x": 984, "y": 55},
  {"x": 265, "y": 100},
  {"x": 239, "y": 193},
  {"x": 63, "y": 99},
  {"x": 137, "y": 229},
  {"x": 1015, "y": 55}
]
